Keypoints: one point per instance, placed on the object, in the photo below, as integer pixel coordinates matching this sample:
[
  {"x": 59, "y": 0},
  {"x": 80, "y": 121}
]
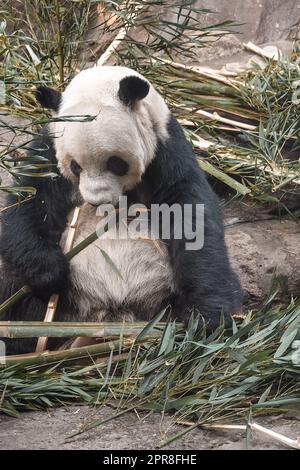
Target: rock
[{"x": 263, "y": 249}]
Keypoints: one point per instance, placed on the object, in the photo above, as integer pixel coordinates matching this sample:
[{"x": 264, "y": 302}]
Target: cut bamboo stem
[
  {"x": 16, "y": 297},
  {"x": 47, "y": 357},
  {"x": 295, "y": 444},
  {"x": 29, "y": 329}
]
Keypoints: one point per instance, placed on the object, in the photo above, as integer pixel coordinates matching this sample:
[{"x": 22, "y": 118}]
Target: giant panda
[{"x": 131, "y": 146}]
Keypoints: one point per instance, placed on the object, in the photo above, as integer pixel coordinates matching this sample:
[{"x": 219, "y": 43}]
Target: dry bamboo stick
[
  {"x": 259, "y": 51},
  {"x": 115, "y": 44},
  {"x": 112, "y": 48},
  {"x": 203, "y": 71},
  {"x": 54, "y": 299},
  {"x": 216, "y": 117},
  {"x": 293, "y": 443}
]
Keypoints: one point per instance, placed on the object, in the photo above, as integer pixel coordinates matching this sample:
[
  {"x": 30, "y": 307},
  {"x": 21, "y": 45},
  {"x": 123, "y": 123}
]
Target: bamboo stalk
[
  {"x": 47, "y": 357},
  {"x": 54, "y": 299},
  {"x": 16, "y": 297},
  {"x": 202, "y": 71},
  {"x": 259, "y": 51},
  {"x": 210, "y": 169},
  {"x": 29, "y": 329},
  {"x": 295, "y": 444},
  {"x": 216, "y": 117}
]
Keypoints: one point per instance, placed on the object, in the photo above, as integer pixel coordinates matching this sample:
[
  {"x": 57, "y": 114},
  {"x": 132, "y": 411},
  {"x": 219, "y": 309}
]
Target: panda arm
[
  {"x": 203, "y": 277},
  {"x": 30, "y": 234}
]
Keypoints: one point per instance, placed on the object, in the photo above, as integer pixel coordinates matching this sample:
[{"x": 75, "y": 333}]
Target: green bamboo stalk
[
  {"x": 16, "y": 297},
  {"x": 84, "y": 244},
  {"x": 202, "y": 88},
  {"x": 47, "y": 357},
  {"x": 211, "y": 170},
  {"x": 20, "y": 329}
]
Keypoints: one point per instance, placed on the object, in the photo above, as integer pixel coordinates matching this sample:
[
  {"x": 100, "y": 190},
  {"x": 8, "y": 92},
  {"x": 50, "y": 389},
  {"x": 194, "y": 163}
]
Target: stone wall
[{"x": 260, "y": 20}]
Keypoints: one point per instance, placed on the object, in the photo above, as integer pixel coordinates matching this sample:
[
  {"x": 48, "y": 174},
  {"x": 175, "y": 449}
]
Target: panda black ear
[
  {"x": 133, "y": 89},
  {"x": 48, "y": 98}
]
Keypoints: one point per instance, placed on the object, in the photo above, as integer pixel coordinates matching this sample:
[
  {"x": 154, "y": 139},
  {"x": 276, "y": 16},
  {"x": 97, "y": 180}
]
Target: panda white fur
[{"x": 132, "y": 146}]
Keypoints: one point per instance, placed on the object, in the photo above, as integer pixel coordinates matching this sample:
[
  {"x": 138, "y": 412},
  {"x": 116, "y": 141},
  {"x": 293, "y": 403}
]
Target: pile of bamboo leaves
[
  {"x": 248, "y": 126},
  {"x": 200, "y": 377}
]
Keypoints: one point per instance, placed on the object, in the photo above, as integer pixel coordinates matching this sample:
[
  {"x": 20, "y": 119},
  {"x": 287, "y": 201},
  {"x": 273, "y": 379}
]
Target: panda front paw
[{"x": 50, "y": 274}]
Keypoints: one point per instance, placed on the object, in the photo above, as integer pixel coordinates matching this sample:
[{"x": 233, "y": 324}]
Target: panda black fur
[{"x": 133, "y": 123}]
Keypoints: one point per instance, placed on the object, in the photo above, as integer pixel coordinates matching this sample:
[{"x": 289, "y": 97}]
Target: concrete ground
[{"x": 49, "y": 429}]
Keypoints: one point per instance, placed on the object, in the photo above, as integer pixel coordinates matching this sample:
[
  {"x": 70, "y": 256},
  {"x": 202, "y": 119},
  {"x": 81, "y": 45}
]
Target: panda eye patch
[
  {"x": 117, "y": 166},
  {"x": 75, "y": 168}
]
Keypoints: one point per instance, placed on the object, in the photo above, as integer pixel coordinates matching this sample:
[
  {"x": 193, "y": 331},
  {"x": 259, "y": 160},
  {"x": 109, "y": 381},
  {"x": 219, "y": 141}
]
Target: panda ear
[
  {"x": 48, "y": 98},
  {"x": 133, "y": 89}
]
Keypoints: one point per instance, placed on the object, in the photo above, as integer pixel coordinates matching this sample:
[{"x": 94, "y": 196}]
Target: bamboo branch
[
  {"x": 272, "y": 168},
  {"x": 60, "y": 46}
]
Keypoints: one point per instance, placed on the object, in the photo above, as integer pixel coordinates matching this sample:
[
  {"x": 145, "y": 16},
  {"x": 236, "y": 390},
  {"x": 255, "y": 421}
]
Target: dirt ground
[{"x": 49, "y": 429}]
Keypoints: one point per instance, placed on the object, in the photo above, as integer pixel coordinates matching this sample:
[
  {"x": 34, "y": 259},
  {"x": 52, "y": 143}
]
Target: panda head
[{"x": 107, "y": 155}]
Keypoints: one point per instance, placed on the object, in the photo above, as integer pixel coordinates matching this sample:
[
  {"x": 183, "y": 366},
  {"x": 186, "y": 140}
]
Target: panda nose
[
  {"x": 98, "y": 202},
  {"x": 102, "y": 203}
]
